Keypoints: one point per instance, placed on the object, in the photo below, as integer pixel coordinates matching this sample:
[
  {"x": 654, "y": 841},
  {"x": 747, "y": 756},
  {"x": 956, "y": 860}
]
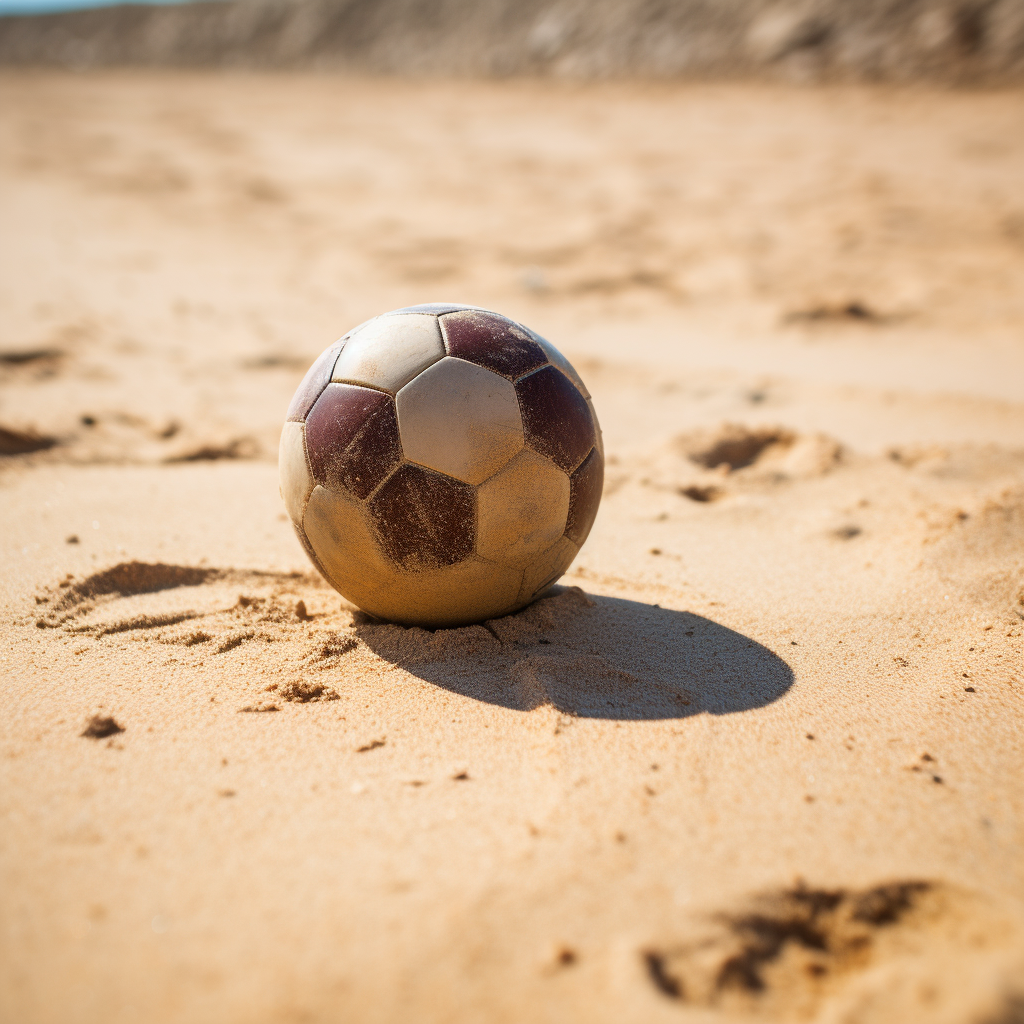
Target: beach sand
[{"x": 759, "y": 757}]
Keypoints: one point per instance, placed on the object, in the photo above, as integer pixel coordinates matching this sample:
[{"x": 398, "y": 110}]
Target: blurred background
[
  {"x": 715, "y": 187},
  {"x": 872, "y": 40}
]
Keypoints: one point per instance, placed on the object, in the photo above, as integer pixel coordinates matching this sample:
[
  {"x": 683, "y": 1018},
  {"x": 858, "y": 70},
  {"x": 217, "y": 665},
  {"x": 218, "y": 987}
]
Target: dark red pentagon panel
[
  {"x": 317, "y": 377},
  {"x": 352, "y": 438},
  {"x": 556, "y": 419},
  {"x": 425, "y": 519},
  {"x": 584, "y": 496},
  {"x": 491, "y": 340}
]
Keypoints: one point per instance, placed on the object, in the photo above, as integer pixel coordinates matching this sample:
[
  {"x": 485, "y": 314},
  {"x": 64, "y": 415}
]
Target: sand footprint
[
  {"x": 146, "y": 598},
  {"x": 903, "y": 950}
]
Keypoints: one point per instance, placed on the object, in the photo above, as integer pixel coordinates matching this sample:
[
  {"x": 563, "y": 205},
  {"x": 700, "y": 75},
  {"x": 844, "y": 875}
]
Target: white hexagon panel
[
  {"x": 389, "y": 351},
  {"x": 296, "y": 481},
  {"x": 460, "y": 419}
]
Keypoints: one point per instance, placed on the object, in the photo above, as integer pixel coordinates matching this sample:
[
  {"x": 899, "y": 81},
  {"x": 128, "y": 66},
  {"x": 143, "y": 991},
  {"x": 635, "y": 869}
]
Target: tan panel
[
  {"x": 522, "y": 510},
  {"x": 471, "y": 591},
  {"x": 545, "y": 570},
  {"x": 557, "y": 359},
  {"x": 296, "y": 481},
  {"x": 338, "y": 531},
  {"x": 389, "y": 351},
  {"x": 460, "y": 419}
]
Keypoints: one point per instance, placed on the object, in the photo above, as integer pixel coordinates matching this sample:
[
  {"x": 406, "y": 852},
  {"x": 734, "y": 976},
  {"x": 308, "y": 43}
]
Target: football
[{"x": 442, "y": 465}]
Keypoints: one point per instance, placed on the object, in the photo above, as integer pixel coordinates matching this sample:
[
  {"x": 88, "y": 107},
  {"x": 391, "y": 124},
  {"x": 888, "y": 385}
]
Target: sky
[{"x": 44, "y": 6}]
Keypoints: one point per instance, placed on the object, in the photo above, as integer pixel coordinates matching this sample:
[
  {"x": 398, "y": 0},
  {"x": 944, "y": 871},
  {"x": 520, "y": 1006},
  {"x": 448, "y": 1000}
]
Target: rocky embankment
[{"x": 971, "y": 42}]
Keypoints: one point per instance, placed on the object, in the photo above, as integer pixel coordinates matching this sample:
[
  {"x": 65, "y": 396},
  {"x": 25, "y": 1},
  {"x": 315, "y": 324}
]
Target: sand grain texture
[{"x": 758, "y": 758}]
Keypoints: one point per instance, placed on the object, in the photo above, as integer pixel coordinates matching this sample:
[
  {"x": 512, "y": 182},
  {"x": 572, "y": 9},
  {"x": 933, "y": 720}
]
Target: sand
[{"x": 759, "y": 757}]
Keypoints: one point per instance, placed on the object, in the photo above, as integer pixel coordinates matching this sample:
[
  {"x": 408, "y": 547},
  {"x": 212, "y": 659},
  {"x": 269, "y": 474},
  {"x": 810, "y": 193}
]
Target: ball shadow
[{"x": 592, "y": 657}]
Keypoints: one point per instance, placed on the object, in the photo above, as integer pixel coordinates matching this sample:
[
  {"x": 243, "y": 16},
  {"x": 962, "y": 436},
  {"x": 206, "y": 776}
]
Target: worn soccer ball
[{"x": 442, "y": 465}]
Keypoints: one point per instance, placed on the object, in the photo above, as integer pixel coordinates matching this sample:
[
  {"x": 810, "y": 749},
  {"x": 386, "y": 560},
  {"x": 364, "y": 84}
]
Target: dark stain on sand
[{"x": 592, "y": 657}]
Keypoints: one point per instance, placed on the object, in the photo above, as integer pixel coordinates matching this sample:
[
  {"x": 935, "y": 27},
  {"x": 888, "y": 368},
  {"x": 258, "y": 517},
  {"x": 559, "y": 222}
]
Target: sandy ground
[{"x": 760, "y": 758}]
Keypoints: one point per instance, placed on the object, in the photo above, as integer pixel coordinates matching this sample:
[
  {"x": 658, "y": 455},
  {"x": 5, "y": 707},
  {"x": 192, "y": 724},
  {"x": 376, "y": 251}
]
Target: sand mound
[
  {"x": 981, "y": 552},
  {"x": 20, "y": 442}
]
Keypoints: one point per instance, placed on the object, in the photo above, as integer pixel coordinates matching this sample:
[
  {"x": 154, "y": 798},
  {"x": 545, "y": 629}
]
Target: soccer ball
[{"x": 442, "y": 465}]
